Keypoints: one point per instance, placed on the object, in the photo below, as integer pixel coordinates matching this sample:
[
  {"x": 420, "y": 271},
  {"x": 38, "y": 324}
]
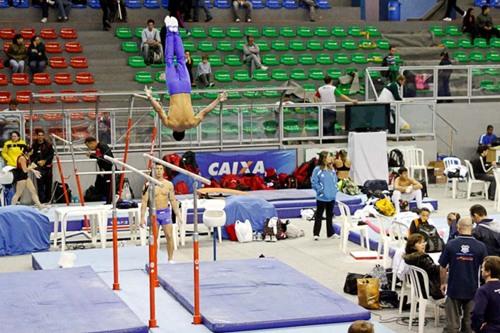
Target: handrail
[{"x": 447, "y": 122}]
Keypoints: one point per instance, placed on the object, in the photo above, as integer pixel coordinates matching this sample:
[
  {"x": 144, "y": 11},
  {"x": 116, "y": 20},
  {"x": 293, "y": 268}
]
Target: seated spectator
[
  {"x": 251, "y": 55},
  {"x": 189, "y": 66},
  {"x": 45, "y": 9},
  {"x": 361, "y": 326},
  {"x": 416, "y": 256},
  {"x": 483, "y": 170},
  {"x": 390, "y": 61},
  {"x": 245, "y": 4},
  {"x": 489, "y": 138},
  {"x": 487, "y": 230},
  {"x": 203, "y": 72},
  {"x": 423, "y": 218},
  {"x": 152, "y": 50},
  {"x": 342, "y": 164},
  {"x": 469, "y": 24},
  {"x": 17, "y": 54},
  {"x": 13, "y": 148},
  {"x": 484, "y": 22},
  {"x": 8, "y": 123},
  {"x": 63, "y": 8},
  {"x": 197, "y": 4},
  {"x": 406, "y": 188},
  {"x": 311, "y": 6},
  {"x": 452, "y": 220},
  {"x": 37, "y": 59},
  {"x": 485, "y": 314}
]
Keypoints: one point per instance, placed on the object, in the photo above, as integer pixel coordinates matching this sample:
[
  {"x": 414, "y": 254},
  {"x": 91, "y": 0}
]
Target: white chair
[
  {"x": 417, "y": 163},
  {"x": 347, "y": 225},
  {"x": 386, "y": 240},
  {"x": 471, "y": 181},
  {"x": 214, "y": 216},
  {"x": 496, "y": 173},
  {"x": 449, "y": 162},
  {"x": 418, "y": 275}
]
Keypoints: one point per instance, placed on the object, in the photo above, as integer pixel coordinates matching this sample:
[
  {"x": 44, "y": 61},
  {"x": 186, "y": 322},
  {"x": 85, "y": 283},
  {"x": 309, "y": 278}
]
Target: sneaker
[
  {"x": 249, "y": 20},
  {"x": 273, "y": 239},
  {"x": 447, "y": 19},
  {"x": 237, "y": 20},
  {"x": 465, "y": 13},
  {"x": 264, "y": 67},
  {"x": 316, "y": 238},
  {"x": 65, "y": 18},
  {"x": 171, "y": 262},
  {"x": 211, "y": 84},
  {"x": 268, "y": 238},
  {"x": 43, "y": 20},
  {"x": 51, "y": 2}
]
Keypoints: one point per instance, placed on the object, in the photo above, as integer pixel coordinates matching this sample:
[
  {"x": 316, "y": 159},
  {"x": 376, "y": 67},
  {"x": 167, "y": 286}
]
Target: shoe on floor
[
  {"x": 316, "y": 238},
  {"x": 264, "y": 67},
  {"x": 43, "y": 20},
  {"x": 447, "y": 19}
]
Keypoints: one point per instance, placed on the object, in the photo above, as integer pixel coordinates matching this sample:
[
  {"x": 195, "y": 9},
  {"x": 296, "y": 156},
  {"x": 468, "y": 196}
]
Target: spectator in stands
[
  {"x": 423, "y": 218},
  {"x": 246, "y": 5},
  {"x": 324, "y": 183},
  {"x": 43, "y": 153},
  {"x": 165, "y": 203},
  {"x": 152, "y": 50},
  {"x": 63, "y": 9},
  {"x": 21, "y": 179},
  {"x": 416, "y": 256},
  {"x": 37, "y": 59},
  {"x": 342, "y": 164},
  {"x": 489, "y": 138},
  {"x": 485, "y": 314},
  {"x": 189, "y": 66},
  {"x": 327, "y": 94},
  {"x": 391, "y": 62},
  {"x": 17, "y": 54},
  {"x": 487, "y": 230},
  {"x": 361, "y": 326},
  {"x": 452, "y": 219},
  {"x": 444, "y": 76},
  {"x": 311, "y": 6},
  {"x": 45, "y": 9},
  {"x": 13, "y": 148},
  {"x": 107, "y": 8},
  {"x": 460, "y": 262},
  {"x": 483, "y": 170},
  {"x": 177, "y": 9},
  {"x": 485, "y": 27},
  {"x": 452, "y": 4},
  {"x": 410, "y": 86},
  {"x": 204, "y": 71},
  {"x": 406, "y": 188},
  {"x": 118, "y": 7},
  {"x": 389, "y": 94},
  {"x": 469, "y": 24},
  {"x": 251, "y": 55},
  {"x": 97, "y": 150},
  {"x": 8, "y": 123},
  {"x": 197, "y": 4}
]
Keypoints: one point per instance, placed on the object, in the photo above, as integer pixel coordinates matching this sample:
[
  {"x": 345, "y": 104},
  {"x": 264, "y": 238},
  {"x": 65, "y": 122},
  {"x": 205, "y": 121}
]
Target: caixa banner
[{"x": 218, "y": 164}]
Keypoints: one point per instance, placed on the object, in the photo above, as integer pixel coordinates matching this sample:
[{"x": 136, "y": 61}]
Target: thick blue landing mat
[
  {"x": 65, "y": 300},
  {"x": 239, "y": 295}
]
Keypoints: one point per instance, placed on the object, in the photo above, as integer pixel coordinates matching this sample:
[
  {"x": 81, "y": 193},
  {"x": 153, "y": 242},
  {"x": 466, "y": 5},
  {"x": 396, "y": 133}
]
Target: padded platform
[
  {"x": 254, "y": 294},
  {"x": 65, "y": 300}
]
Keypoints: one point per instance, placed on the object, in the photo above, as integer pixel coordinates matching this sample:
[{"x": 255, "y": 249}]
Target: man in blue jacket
[
  {"x": 486, "y": 313},
  {"x": 487, "y": 230},
  {"x": 489, "y": 138}
]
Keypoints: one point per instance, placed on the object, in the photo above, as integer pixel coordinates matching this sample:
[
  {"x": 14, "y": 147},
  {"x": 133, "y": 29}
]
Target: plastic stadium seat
[
  {"x": 307, "y": 59},
  {"x": 79, "y": 62},
  {"x": 314, "y": 45},
  {"x": 372, "y": 31},
  {"x": 288, "y": 32},
  {"x": 68, "y": 33},
  {"x": 355, "y": 31},
  {"x": 339, "y": 32},
  {"x": 4, "y": 80},
  {"x": 189, "y": 46},
  {"x": 252, "y": 31},
  {"x": 279, "y": 75},
  {"x": 366, "y": 44},
  {"x": 270, "y": 60},
  {"x": 480, "y": 43},
  {"x": 460, "y": 57},
  {"x": 196, "y": 58},
  {"x": 257, "y": 4},
  {"x": 465, "y": 43},
  {"x": 225, "y": 46},
  {"x": 298, "y": 75},
  {"x": 291, "y": 126},
  {"x": 453, "y": 30},
  {"x": 130, "y": 47},
  {"x": 316, "y": 74},
  {"x": 138, "y": 32},
  {"x": 66, "y": 99},
  {"x": 48, "y": 33},
  {"x": 215, "y": 60},
  {"x": 223, "y": 76},
  {"x": 288, "y": 60},
  {"x": 5, "y": 97},
  {"x": 123, "y": 32},
  {"x": 136, "y": 62},
  {"x": 341, "y": 59},
  {"x": 238, "y": 45},
  {"x": 492, "y": 71},
  {"x": 263, "y": 45},
  {"x": 324, "y": 59},
  {"x": 493, "y": 56},
  {"x": 290, "y": 4},
  {"x": 84, "y": 78},
  {"x": 133, "y": 4},
  {"x": 331, "y": 45},
  {"x": 143, "y": 77},
  {"x": 20, "y": 79},
  {"x": 359, "y": 58},
  {"x": 322, "y": 32},
  {"x": 234, "y": 32},
  {"x": 94, "y": 4},
  {"x": 7, "y": 33},
  {"x": 437, "y": 31},
  {"x": 261, "y": 75},
  {"x": 297, "y": 45},
  {"x": 152, "y": 4},
  {"x": 160, "y": 77},
  {"x": 383, "y": 44},
  {"x": 63, "y": 78},
  {"x": 205, "y": 46},
  {"x": 222, "y": 4},
  {"x": 47, "y": 100},
  {"x": 495, "y": 42},
  {"x": 375, "y": 57},
  {"x": 305, "y": 32},
  {"x": 216, "y": 32},
  {"x": 334, "y": 73},
  {"x": 42, "y": 79},
  {"x": 235, "y": 61},
  {"x": 270, "y": 32},
  {"x": 198, "y": 32},
  {"x": 449, "y": 43},
  {"x": 23, "y": 96},
  {"x": 477, "y": 57},
  {"x": 58, "y": 62},
  {"x": 273, "y": 4},
  {"x": 53, "y": 47},
  {"x": 27, "y": 33},
  {"x": 323, "y": 4},
  {"x": 349, "y": 44},
  {"x": 89, "y": 98},
  {"x": 241, "y": 76},
  {"x": 279, "y": 45}
]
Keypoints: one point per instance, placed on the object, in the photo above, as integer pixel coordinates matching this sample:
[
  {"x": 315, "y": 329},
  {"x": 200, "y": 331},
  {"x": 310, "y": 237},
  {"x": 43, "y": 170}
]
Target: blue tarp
[{"x": 23, "y": 230}]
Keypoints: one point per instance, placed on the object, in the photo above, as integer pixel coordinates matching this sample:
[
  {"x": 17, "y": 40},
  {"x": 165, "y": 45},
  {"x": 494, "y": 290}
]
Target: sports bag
[
  {"x": 351, "y": 282},
  {"x": 347, "y": 186},
  {"x": 369, "y": 293},
  {"x": 396, "y": 159},
  {"x": 431, "y": 235}
]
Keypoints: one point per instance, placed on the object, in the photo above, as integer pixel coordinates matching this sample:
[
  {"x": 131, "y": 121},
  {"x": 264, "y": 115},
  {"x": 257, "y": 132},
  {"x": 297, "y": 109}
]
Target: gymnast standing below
[
  {"x": 22, "y": 180},
  {"x": 180, "y": 115}
]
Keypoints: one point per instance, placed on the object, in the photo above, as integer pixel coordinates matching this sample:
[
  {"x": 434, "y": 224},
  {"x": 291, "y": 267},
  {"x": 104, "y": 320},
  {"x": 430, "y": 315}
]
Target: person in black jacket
[
  {"x": 102, "y": 182},
  {"x": 43, "y": 153},
  {"x": 482, "y": 170},
  {"x": 416, "y": 256},
  {"x": 444, "y": 76},
  {"x": 37, "y": 59},
  {"x": 469, "y": 24},
  {"x": 487, "y": 230}
]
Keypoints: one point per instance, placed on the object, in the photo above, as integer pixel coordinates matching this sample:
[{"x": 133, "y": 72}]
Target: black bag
[
  {"x": 91, "y": 194},
  {"x": 59, "y": 193},
  {"x": 376, "y": 185},
  {"x": 424, "y": 188},
  {"x": 6, "y": 62},
  {"x": 396, "y": 159},
  {"x": 126, "y": 204},
  {"x": 389, "y": 299},
  {"x": 351, "y": 282},
  {"x": 431, "y": 235}
]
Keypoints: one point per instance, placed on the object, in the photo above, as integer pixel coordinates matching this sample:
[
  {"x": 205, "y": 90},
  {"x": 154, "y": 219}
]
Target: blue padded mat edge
[
  {"x": 64, "y": 300},
  {"x": 240, "y": 295}
]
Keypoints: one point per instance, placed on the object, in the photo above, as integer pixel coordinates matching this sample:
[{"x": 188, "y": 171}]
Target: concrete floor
[{"x": 321, "y": 260}]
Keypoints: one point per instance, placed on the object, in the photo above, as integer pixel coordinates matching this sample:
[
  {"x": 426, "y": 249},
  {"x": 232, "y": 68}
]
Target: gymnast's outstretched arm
[
  {"x": 203, "y": 113},
  {"x": 155, "y": 104}
]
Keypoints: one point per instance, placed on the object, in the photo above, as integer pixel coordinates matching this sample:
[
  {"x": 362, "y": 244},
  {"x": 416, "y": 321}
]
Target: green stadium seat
[
  {"x": 324, "y": 59},
  {"x": 493, "y": 56},
  {"x": 465, "y": 43},
  {"x": 136, "y": 62},
  {"x": 309, "y": 87},
  {"x": 263, "y": 45},
  {"x": 372, "y": 31},
  {"x": 234, "y": 32},
  {"x": 216, "y": 32},
  {"x": 215, "y": 60},
  {"x": 375, "y": 57},
  {"x": 271, "y": 93},
  {"x": 291, "y": 126},
  {"x": 223, "y": 76},
  {"x": 288, "y": 32},
  {"x": 349, "y": 44},
  {"x": 453, "y": 30},
  {"x": 477, "y": 72},
  {"x": 239, "y": 45},
  {"x": 261, "y": 75},
  {"x": 270, "y": 32},
  {"x": 183, "y": 33},
  {"x": 252, "y": 31},
  {"x": 225, "y": 46},
  {"x": 196, "y": 96},
  {"x": 252, "y": 128},
  {"x": 449, "y": 43},
  {"x": 298, "y": 75},
  {"x": 322, "y": 32},
  {"x": 476, "y": 56},
  {"x": 480, "y": 43},
  {"x": 437, "y": 31},
  {"x": 138, "y": 32},
  {"x": 334, "y": 73},
  {"x": 270, "y": 60},
  {"x": 211, "y": 95},
  {"x": 314, "y": 45},
  {"x": 486, "y": 83},
  {"x": 143, "y": 77},
  {"x": 307, "y": 59},
  {"x": 279, "y": 45},
  {"x": 359, "y": 58},
  {"x": 279, "y": 75},
  {"x": 305, "y": 32},
  {"x": 297, "y": 45},
  {"x": 383, "y": 44},
  {"x": 160, "y": 77},
  {"x": 206, "y": 46},
  {"x": 251, "y": 94},
  {"x": 124, "y": 32},
  {"x": 495, "y": 42},
  {"x": 233, "y": 60},
  {"x": 316, "y": 74},
  {"x": 157, "y": 65},
  {"x": 198, "y": 32},
  {"x": 367, "y": 44},
  {"x": 270, "y": 127},
  {"x": 241, "y": 76},
  {"x": 130, "y": 47},
  {"x": 339, "y": 32},
  {"x": 233, "y": 95},
  {"x": 311, "y": 125},
  {"x": 492, "y": 71},
  {"x": 331, "y": 45},
  {"x": 460, "y": 57},
  {"x": 230, "y": 128},
  {"x": 259, "y": 111},
  {"x": 189, "y": 46},
  {"x": 288, "y": 60},
  {"x": 375, "y": 75},
  {"x": 341, "y": 59},
  {"x": 355, "y": 31}
]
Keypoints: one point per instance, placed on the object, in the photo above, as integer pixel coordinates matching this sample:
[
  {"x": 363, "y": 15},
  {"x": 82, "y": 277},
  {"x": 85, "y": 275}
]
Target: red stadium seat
[
  {"x": 7, "y": 33},
  {"x": 4, "y": 80},
  {"x": 84, "y": 78},
  {"x": 68, "y": 33},
  {"x": 47, "y": 100},
  {"x": 42, "y": 79},
  {"x": 69, "y": 99},
  {"x": 23, "y": 96},
  {"x": 78, "y": 116},
  {"x": 1, "y": 65},
  {"x": 89, "y": 99},
  {"x": 53, "y": 116},
  {"x": 5, "y": 97},
  {"x": 58, "y": 62},
  {"x": 27, "y": 33},
  {"x": 35, "y": 117},
  {"x": 48, "y": 33},
  {"x": 53, "y": 47},
  {"x": 73, "y": 47},
  {"x": 79, "y": 62},
  {"x": 20, "y": 79},
  {"x": 63, "y": 78}
]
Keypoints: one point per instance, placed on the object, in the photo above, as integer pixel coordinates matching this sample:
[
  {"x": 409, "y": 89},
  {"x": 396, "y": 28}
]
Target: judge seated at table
[
  {"x": 489, "y": 138},
  {"x": 484, "y": 170}
]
